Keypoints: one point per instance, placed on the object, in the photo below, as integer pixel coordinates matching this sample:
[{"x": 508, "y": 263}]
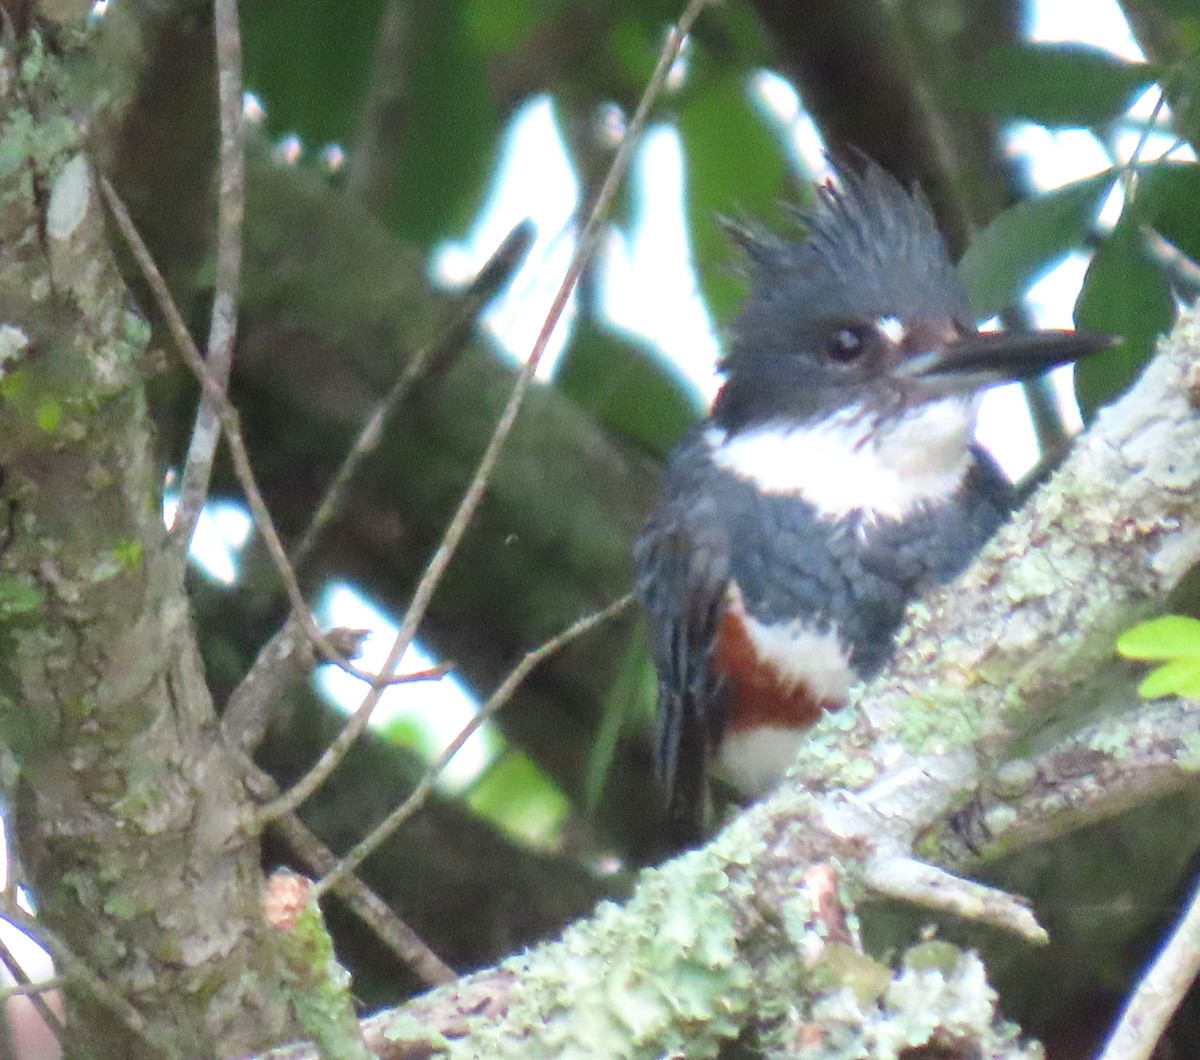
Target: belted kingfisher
[{"x": 835, "y": 480}]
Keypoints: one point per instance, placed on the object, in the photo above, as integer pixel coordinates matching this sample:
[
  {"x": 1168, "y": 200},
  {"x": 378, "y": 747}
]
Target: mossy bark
[{"x": 125, "y": 809}]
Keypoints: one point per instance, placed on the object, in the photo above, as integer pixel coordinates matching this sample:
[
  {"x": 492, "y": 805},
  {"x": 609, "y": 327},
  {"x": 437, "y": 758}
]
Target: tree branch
[
  {"x": 231, "y": 213},
  {"x": 1158, "y": 995},
  {"x": 495, "y": 703},
  {"x": 127, "y": 798},
  {"x": 1122, "y": 760},
  {"x": 213, "y": 393},
  {"x": 1029, "y": 628}
]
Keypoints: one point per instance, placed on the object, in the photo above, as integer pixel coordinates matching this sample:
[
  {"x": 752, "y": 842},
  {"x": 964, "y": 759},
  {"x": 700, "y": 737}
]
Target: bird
[{"x": 835, "y": 479}]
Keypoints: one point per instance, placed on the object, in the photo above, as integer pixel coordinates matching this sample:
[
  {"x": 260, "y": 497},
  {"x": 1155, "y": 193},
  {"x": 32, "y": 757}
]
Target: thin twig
[
  {"x": 76, "y": 970},
  {"x": 385, "y": 108},
  {"x": 501, "y": 265},
  {"x": 494, "y": 704},
  {"x": 898, "y": 875},
  {"x": 32, "y": 990},
  {"x": 432, "y": 576},
  {"x": 372, "y": 910},
  {"x": 407, "y": 945},
  {"x": 237, "y": 446},
  {"x": 231, "y": 213},
  {"x": 1160, "y": 992},
  {"x": 1130, "y": 169},
  {"x": 287, "y": 657},
  {"x": 42, "y": 986},
  {"x": 247, "y": 711}
]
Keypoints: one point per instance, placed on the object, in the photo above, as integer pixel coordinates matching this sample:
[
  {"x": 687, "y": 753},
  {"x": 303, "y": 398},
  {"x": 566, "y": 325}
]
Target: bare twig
[
  {"x": 32, "y": 990},
  {"x": 288, "y": 656},
  {"x": 247, "y": 712},
  {"x": 1159, "y": 993},
  {"x": 384, "y": 109},
  {"x": 907, "y": 879},
  {"x": 43, "y": 986},
  {"x": 407, "y": 945},
  {"x": 231, "y": 212},
  {"x": 77, "y": 971},
  {"x": 237, "y": 446},
  {"x": 495, "y": 272},
  {"x": 588, "y": 238},
  {"x": 494, "y": 704}
]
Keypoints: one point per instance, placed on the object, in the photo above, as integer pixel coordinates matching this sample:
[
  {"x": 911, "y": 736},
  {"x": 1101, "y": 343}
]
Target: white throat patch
[{"x": 848, "y": 464}]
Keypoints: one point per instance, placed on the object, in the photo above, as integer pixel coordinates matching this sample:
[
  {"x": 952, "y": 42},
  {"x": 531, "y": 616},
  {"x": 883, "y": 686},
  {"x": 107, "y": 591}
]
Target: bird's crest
[{"x": 870, "y": 249}]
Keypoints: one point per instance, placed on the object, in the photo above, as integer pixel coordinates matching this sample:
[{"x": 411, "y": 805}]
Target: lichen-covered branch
[
  {"x": 1122, "y": 760},
  {"x": 696, "y": 955},
  {"x": 727, "y": 936}
]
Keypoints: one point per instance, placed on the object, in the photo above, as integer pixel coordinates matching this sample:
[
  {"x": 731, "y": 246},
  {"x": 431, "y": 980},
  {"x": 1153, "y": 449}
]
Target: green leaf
[
  {"x": 734, "y": 165},
  {"x": 451, "y": 130},
  {"x": 1166, "y": 637},
  {"x": 1054, "y": 84},
  {"x": 1167, "y": 195},
  {"x": 628, "y": 704},
  {"x": 631, "y": 50},
  {"x": 1188, "y": 9},
  {"x": 1178, "y": 678},
  {"x": 499, "y": 26},
  {"x": 310, "y": 61},
  {"x": 625, "y": 385},
  {"x": 1124, "y": 293},
  {"x": 1026, "y": 240},
  {"x": 405, "y": 730},
  {"x": 518, "y": 797}
]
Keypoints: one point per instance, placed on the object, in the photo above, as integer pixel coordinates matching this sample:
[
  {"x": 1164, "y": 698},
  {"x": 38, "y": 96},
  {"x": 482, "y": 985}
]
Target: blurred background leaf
[
  {"x": 1127, "y": 294},
  {"x": 1026, "y": 239},
  {"x": 1055, "y": 84}
]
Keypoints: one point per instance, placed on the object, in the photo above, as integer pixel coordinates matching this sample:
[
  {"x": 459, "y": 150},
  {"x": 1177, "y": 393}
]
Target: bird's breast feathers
[{"x": 854, "y": 461}]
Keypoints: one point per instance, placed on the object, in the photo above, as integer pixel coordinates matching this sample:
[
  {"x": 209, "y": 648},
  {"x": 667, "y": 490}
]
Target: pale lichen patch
[
  {"x": 69, "y": 199},
  {"x": 13, "y": 344}
]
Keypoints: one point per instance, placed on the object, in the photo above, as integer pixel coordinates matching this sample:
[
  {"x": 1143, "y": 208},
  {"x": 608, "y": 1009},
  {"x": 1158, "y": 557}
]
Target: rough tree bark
[{"x": 126, "y": 807}]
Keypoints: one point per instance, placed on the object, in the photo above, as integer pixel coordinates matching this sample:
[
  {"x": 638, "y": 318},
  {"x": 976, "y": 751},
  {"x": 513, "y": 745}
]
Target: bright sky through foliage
[
  {"x": 425, "y": 716},
  {"x": 1097, "y": 22},
  {"x": 533, "y": 179},
  {"x": 647, "y": 282},
  {"x": 221, "y": 533}
]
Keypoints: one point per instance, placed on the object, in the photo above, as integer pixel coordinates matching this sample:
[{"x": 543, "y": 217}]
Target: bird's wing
[{"x": 683, "y": 572}]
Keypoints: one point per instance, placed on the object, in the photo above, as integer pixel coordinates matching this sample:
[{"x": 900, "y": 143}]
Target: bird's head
[{"x": 866, "y": 310}]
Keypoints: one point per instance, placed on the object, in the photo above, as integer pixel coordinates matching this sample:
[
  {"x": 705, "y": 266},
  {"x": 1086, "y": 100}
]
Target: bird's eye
[{"x": 846, "y": 344}]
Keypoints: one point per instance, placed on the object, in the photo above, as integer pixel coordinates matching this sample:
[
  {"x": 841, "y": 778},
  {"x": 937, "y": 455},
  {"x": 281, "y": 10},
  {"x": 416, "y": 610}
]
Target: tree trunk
[{"x": 126, "y": 810}]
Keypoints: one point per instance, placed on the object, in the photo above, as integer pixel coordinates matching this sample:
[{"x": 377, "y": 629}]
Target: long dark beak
[{"x": 987, "y": 357}]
